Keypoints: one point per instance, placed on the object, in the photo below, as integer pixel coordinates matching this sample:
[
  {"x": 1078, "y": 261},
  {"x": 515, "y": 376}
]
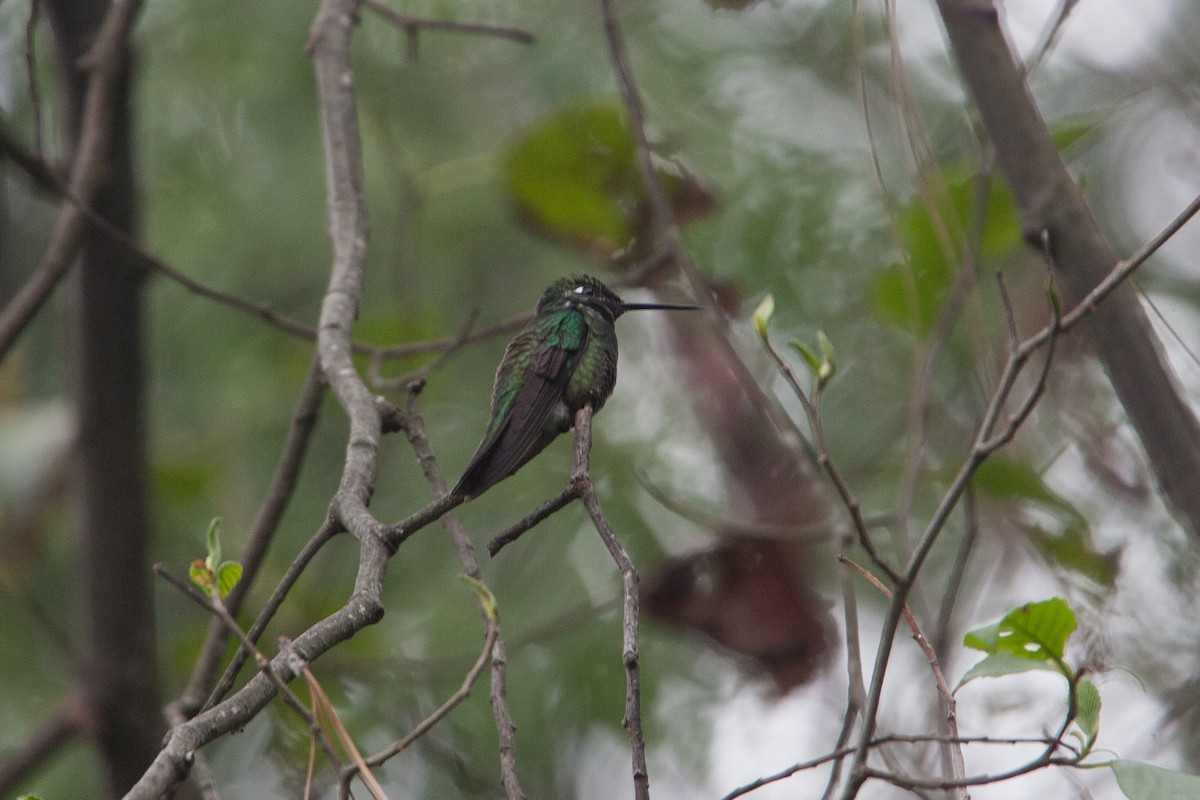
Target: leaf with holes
[{"x": 1032, "y": 636}]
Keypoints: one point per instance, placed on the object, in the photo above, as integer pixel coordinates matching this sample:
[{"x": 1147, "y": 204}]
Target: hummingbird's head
[
  {"x": 584, "y": 291},
  {"x": 581, "y": 291}
]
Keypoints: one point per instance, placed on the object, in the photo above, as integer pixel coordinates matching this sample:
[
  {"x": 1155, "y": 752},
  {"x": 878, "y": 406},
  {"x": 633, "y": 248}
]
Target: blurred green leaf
[
  {"x": 1141, "y": 781},
  {"x": 1003, "y": 478},
  {"x": 1066, "y": 133},
  {"x": 1072, "y": 548},
  {"x": 913, "y": 302},
  {"x": 1069, "y": 545},
  {"x": 762, "y": 316},
  {"x": 576, "y": 177},
  {"x": 811, "y": 360}
]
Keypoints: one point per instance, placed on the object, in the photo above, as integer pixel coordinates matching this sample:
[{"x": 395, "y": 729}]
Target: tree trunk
[
  {"x": 1050, "y": 201},
  {"x": 106, "y": 376}
]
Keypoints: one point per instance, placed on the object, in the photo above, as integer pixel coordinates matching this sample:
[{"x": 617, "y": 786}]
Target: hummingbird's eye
[{"x": 583, "y": 290}]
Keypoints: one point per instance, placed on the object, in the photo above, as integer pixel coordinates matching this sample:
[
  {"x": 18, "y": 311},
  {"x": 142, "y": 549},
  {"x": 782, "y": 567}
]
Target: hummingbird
[{"x": 565, "y": 358}]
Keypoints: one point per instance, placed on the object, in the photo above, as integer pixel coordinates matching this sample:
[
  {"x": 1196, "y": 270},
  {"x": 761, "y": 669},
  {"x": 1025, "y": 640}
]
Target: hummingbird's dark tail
[{"x": 475, "y": 481}]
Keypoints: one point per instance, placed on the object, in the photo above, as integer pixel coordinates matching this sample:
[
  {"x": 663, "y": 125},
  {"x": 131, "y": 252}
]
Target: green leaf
[
  {"x": 1034, "y": 631},
  {"x": 810, "y": 358},
  {"x": 572, "y": 174},
  {"x": 1140, "y": 781},
  {"x": 228, "y": 575},
  {"x": 1033, "y": 636},
  {"x": 487, "y": 600},
  {"x": 1087, "y": 708},
  {"x": 762, "y": 316},
  {"x": 213, "y": 540},
  {"x": 998, "y": 664},
  {"x": 828, "y": 365}
]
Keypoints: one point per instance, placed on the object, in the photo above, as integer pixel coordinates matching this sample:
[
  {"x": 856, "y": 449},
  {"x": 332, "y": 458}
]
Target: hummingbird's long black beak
[{"x": 651, "y": 306}]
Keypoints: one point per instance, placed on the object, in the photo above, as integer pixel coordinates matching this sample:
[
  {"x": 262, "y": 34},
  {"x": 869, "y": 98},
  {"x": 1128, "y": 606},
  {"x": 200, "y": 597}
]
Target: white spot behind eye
[{"x": 579, "y": 289}]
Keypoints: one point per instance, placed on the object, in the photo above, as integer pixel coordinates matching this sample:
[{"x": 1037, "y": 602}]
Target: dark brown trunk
[{"x": 106, "y": 377}]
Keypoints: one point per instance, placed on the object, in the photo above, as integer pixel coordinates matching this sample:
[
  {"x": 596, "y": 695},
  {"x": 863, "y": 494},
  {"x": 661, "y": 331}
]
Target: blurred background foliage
[{"x": 493, "y": 167}]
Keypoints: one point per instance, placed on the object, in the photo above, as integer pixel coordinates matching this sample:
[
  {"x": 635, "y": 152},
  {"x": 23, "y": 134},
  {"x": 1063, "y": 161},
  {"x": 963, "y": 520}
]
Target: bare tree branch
[
  {"x": 581, "y": 478},
  {"x": 70, "y": 720},
  {"x": 414, "y": 426},
  {"x": 348, "y": 228}
]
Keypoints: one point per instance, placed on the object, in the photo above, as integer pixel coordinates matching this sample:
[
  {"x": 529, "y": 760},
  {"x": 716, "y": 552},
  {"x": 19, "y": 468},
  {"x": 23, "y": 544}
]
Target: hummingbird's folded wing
[{"x": 526, "y": 428}]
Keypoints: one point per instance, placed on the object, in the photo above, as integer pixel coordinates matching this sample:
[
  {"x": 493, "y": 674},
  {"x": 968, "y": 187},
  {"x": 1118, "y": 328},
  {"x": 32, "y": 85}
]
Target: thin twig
[
  {"x": 214, "y": 605},
  {"x": 941, "y": 638},
  {"x": 551, "y": 506},
  {"x": 666, "y": 240},
  {"x": 581, "y": 478},
  {"x": 324, "y": 711},
  {"x": 836, "y": 755},
  {"x": 418, "y": 379},
  {"x": 410, "y": 24},
  {"x": 37, "y": 169},
  {"x": 319, "y": 539},
  {"x": 1123, "y": 269},
  {"x": 879, "y": 741},
  {"x": 959, "y": 768},
  {"x": 72, "y": 719},
  {"x": 398, "y": 532},
  {"x": 304, "y": 417},
  {"x": 1049, "y": 35},
  {"x": 812, "y": 409},
  {"x": 445, "y": 708},
  {"x": 991, "y": 436},
  {"x": 812, "y": 532},
  {"x": 413, "y": 425},
  {"x": 856, "y": 690}
]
